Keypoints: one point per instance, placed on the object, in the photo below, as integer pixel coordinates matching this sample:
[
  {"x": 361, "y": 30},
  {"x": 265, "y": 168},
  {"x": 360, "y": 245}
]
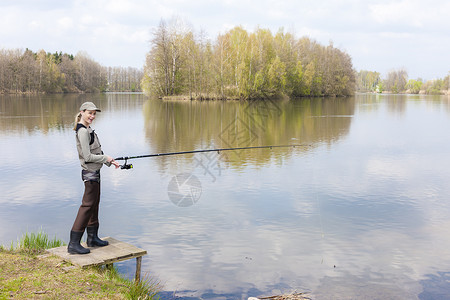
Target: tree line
[
  {"x": 243, "y": 65},
  {"x": 397, "y": 81},
  {"x": 25, "y": 71},
  {"x": 121, "y": 79}
]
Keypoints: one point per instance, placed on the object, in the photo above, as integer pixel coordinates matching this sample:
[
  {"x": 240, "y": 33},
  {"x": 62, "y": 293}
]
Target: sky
[{"x": 380, "y": 36}]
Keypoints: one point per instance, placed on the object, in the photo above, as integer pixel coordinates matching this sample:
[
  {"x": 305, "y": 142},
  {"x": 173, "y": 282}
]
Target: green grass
[
  {"x": 35, "y": 243},
  {"x": 146, "y": 288},
  {"x": 25, "y": 274}
]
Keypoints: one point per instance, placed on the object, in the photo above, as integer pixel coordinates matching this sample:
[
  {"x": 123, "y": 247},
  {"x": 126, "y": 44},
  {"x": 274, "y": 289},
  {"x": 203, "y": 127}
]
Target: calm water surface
[{"x": 360, "y": 211}]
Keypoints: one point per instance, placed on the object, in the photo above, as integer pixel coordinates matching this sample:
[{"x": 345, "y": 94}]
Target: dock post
[{"x": 137, "y": 277}]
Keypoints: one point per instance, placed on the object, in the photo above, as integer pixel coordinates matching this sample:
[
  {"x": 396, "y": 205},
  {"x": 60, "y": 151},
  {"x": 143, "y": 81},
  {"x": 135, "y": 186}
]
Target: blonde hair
[{"x": 77, "y": 120}]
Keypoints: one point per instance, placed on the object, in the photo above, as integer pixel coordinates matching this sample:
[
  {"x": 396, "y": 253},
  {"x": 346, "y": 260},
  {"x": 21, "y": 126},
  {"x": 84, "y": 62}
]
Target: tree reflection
[
  {"x": 41, "y": 112},
  {"x": 189, "y": 125}
]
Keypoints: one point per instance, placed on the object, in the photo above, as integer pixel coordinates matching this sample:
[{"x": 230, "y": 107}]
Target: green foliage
[
  {"x": 147, "y": 288},
  {"x": 276, "y": 77},
  {"x": 414, "y": 86},
  {"x": 435, "y": 87},
  {"x": 295, "y": 83},
  {"x": 397, "y": 82},
  {"x": 309, "y": 78},
  {"x": 243, "y": 65},
  {"x": 380, "y": 87}
]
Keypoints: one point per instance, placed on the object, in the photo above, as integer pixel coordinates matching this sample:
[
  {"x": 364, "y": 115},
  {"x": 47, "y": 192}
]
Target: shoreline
[{"x": 29, "y": 272}]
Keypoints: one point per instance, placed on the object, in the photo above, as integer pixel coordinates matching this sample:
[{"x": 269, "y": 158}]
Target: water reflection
[
  {"x": 363, "y": 213},
  {"x": 396, "y": 104},
  {"x": 26, "y": 114},
  {"x": 188, "y": 125}
]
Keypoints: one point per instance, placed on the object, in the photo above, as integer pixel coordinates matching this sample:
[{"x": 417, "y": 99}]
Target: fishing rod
[{"x": 126, "y": 166}]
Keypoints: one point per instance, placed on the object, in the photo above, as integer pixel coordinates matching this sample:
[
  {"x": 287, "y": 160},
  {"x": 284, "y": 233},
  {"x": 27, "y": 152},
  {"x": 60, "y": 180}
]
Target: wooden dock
[{"x": 116, "y": 251}]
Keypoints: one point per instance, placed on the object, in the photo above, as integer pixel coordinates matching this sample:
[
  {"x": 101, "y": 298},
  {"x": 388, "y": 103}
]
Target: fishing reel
[{"x": 126, "y": 166}]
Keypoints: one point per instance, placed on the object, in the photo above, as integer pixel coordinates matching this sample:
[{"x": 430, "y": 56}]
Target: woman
[{"x": 91, "y": 159}]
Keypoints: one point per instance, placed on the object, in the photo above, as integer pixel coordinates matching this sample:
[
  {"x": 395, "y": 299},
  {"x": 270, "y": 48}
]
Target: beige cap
[{"x": 88, "y": 106}]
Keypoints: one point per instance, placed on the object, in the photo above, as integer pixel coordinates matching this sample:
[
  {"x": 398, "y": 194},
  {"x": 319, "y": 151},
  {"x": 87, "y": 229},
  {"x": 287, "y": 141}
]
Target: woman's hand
[{"x": 113, "y": 162}]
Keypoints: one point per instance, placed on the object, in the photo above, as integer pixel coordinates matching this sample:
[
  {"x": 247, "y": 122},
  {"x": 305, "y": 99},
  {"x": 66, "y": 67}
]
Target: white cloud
[
  {"x": 65, "y": 23},
  {"x": 119, "y": 6},
  {"x": 32, "y": 191},
  {"x": 415, "y": 14},
  {"x": 389, "y": 167},
  {"x": 402, "y": 12},
  {"x": 396, "y": 35}
]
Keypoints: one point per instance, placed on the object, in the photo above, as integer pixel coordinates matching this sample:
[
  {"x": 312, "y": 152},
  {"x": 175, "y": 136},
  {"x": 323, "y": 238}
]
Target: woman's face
[{"x": 88, "y": 116}]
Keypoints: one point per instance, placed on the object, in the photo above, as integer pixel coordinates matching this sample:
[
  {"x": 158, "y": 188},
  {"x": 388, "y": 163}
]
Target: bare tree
[{"x": 396, "y": 81}]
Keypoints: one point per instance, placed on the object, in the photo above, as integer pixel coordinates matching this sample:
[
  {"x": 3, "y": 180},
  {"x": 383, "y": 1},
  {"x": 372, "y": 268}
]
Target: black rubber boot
[
  {"x": 74, "y": 246},
  {"x": 92, "y": 238}
]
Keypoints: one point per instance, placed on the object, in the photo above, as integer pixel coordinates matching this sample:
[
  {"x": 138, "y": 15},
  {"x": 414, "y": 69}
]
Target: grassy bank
[{"x": 26, "y": 272}]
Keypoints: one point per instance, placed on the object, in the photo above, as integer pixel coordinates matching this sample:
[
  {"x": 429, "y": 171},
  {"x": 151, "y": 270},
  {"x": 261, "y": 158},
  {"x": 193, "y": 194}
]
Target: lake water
[{"x": 360, "y": 210}]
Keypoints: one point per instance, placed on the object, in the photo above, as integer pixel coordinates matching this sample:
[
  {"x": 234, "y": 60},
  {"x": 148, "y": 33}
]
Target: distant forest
[
  {"x": 25, "y": 71},
  {"x": 243, "y": 65},
  {"x": 397, "y": 81},
  {"x": 184, "y": 64}
]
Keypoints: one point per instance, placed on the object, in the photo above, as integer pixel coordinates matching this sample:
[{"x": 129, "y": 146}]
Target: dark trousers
[{"x": 88, "y": 211}]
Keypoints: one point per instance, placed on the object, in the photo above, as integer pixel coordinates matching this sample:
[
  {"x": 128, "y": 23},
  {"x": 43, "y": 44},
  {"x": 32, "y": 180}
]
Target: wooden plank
[{"x": 116, "y": 251}]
